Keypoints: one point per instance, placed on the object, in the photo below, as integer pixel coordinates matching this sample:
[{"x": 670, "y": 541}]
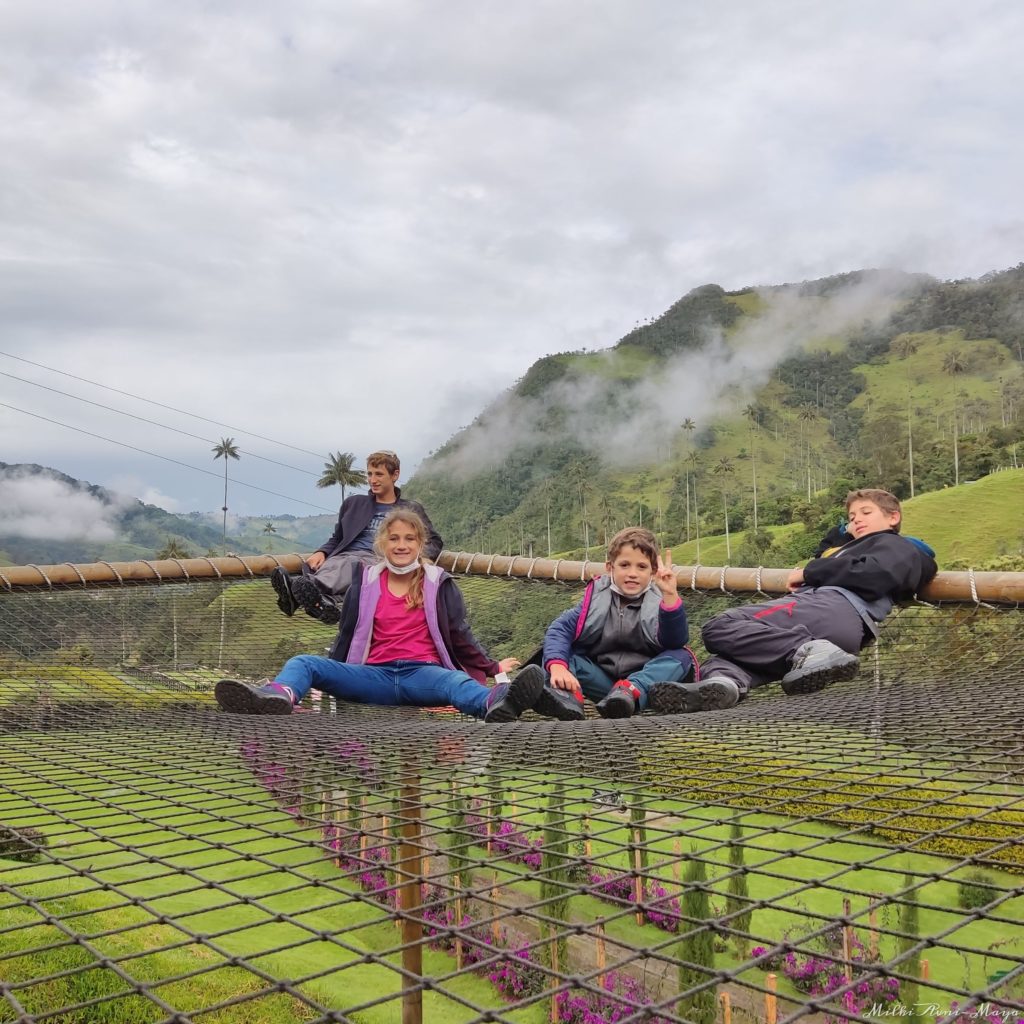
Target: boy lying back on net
[{"x": 812, "y": 637}]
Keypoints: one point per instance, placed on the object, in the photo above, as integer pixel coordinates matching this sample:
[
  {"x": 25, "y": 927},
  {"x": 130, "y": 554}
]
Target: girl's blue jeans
[
  {"x": 596, "y": 683},
  {"x": 396, "y": 682}
]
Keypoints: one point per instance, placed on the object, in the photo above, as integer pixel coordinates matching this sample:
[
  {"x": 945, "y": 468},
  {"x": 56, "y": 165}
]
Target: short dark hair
[
  {"x": 635, "y": 537},
  {"x": 385, "y": 458},
  {"x": 885, "y": 500}
]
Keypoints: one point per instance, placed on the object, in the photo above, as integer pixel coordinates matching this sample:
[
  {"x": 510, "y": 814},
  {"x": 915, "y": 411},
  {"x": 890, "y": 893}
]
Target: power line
[
  {"x": 155, "y": 455},
  {"x": 143, "y": 419},
  {"x": 171, "y": 408}
]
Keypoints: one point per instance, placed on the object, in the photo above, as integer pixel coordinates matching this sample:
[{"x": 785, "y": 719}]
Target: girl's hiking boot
[
  {"x": 281, "y": 581},
  {"x": 264, "y": 698},
  {"x": 620, "y": 702},
  {"x": 816, "y": 664},
  {"x": 712, "y": 694},
  {"x": 507, "y": 701}
]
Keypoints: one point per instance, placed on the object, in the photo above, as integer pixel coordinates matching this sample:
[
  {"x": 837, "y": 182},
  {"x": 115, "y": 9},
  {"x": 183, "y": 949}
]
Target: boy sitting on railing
[
  {"x": 811, "y": 638},
  {"x": 627, "y": 633}
]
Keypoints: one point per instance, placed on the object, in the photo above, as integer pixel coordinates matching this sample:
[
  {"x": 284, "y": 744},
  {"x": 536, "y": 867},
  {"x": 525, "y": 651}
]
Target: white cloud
[
  {"x": 331, "y": 223},
  {"x": 45, "y": 508}
]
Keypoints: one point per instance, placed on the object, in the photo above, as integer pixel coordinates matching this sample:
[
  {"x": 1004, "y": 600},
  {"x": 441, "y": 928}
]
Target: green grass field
[{"x": 157, "y": 846}]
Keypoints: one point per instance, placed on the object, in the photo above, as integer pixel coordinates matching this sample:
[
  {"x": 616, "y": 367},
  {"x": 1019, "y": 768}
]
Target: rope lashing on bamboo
[{"x": 974, "y": 586}]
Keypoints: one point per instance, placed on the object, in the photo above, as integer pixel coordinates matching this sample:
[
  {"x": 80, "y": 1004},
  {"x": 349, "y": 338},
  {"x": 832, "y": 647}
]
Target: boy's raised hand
[{"x": 665, "y": 579}]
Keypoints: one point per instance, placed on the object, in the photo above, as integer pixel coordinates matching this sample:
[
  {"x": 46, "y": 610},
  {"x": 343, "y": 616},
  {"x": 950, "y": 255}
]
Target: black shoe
[
  {"x": 816, "y": 664},
  {"x": 330, "y": 613},
  {"x": 307, "y": 596},
  {"x": 712, "y": 694},
  {"x": 619, "y": 703},
  {"x": 556, "y": 703},
  {"x": 507, "y": 701},
  {"x": 252, "y": 698},
  {"x": 281, "y": 581}
]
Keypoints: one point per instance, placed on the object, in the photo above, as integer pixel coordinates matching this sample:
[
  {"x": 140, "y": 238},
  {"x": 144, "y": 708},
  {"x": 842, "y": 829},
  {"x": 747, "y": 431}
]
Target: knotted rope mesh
[{"x": 849, "y": 854}]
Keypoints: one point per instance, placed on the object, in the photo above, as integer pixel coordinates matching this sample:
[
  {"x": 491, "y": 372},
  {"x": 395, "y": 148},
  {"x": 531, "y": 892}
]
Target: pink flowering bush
[
  {"x": 516, "y": 976},
  {"x": 822, "y": 975},
  {"x": 625, "y": 995},
  {"x": 662, "y": 910},
  {"x": 507, "y": 840}
]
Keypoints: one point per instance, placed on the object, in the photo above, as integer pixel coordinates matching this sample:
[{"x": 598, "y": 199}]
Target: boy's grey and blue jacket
[
  {"x": 355, "y": 514},
  {"x": 873, "y": 573},
  {"x": 619, "y": 635}
]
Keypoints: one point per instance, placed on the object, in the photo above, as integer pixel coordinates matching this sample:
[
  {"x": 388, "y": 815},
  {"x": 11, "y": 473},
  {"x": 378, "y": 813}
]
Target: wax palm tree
[
  {"x": 905, "y": 347},
  {"x": 174, "y": 548},
  {"x": 955, "y": 365},
  {"x": 225, "y": 449},
  {"x": 723, "y": 468},
  {"x": 268, "y": 530},
  {"x": 338, "y": 470}
]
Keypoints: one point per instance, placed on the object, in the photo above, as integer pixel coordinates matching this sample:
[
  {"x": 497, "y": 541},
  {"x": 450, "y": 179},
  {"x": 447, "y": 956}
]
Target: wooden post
[
  {"x": 925, "y": 970},
  {"x": 771, "y": 1006},
  {"x": 495, "y": 923},
  {"x": 638, "y": 881},
  {"x": 553, "y": 945},
  {"x": 677, "y": 860},
  {"x": 588, "y": 846},
  {"x": 726, "y": 1002},
  {"x": 847, "y": 942},
  {"x": 410, "y": 866},
  {"x": 873, "y": 934},
  {"x": 602, "y": 958}
]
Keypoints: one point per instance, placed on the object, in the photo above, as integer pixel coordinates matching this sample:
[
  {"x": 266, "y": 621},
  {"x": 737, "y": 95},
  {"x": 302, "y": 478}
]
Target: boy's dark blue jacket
[
  {"x": 355, "y": 514},
  {"x": 879, "y": 565},
  {"x": 667, "y": 635}
]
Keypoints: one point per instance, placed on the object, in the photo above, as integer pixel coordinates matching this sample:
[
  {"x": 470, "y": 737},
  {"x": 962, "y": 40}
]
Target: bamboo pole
[
  {"x": 926, "y": 971},
  {"x": 726, "y": 1002},
  {"x": 992, "y": 587}
]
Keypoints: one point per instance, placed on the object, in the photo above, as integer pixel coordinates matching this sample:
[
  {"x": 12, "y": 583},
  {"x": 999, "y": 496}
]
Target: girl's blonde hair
[{"x": 414, "y": 599}]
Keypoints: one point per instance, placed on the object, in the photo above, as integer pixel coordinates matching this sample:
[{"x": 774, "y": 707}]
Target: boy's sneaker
[
  {"x": 265, "y": 698},
  {"x": 565, "y": 705},
  {"x": 330, "y": 613},
  {"x": 281, "y": 581},
  {"x": 620, "y": 701},
  {"x": 816, "y": 664},
  {"x": 307, "y": 595},
  {"x": 712, "y": 694},
  {"x": 507, "y": 701}
]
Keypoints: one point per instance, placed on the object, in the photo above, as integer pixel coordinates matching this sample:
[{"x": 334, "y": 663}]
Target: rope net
[{"x": 846, "y": 855}]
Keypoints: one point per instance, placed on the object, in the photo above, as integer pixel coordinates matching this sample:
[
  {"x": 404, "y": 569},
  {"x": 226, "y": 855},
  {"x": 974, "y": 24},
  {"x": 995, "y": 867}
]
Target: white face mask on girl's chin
[{"x": 402, "y": 570}]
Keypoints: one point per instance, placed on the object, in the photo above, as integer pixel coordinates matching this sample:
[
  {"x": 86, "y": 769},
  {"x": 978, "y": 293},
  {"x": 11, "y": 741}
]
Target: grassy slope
[{"x": 972, "y": 522}]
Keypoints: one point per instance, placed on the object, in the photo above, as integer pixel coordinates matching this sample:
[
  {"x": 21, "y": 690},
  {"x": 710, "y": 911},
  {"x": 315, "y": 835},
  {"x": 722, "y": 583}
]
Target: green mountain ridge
[{"x": 862, "y": 377}]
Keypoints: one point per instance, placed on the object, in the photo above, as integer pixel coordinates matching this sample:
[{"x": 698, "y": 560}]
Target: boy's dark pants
[{"x": 755, "y": 644}]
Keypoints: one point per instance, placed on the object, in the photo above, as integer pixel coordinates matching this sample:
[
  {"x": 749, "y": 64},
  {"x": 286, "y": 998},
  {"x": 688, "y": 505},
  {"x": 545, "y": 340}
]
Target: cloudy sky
[{"x": 347, "y": 225}]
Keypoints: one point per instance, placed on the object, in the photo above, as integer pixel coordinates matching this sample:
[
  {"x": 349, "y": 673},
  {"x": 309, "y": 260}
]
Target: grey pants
[
  {"x": 338, "y": 573},
  {"x": 755, "y": 644}
]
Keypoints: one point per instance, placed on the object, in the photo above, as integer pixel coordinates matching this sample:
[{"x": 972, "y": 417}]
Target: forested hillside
[{"x": 743, "y": 410}]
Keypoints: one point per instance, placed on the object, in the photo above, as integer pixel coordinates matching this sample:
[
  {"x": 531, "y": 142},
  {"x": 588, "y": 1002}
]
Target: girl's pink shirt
[{"x": 399, "y": 633}]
